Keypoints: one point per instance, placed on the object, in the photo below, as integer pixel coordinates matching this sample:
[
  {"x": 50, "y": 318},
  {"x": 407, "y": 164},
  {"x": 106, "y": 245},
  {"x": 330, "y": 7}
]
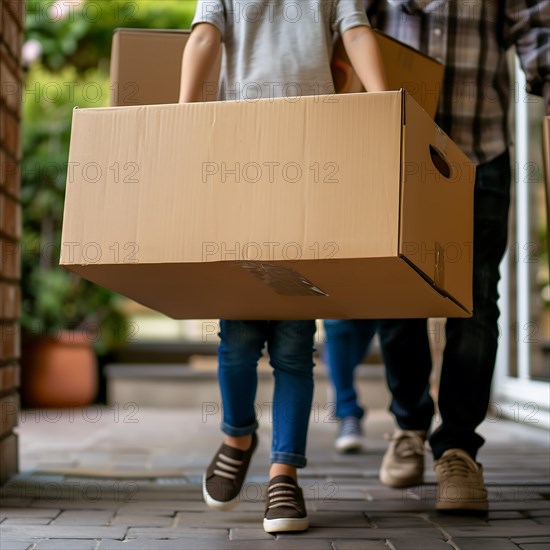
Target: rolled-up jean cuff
[
  {"x": 299, "y": 461},
  {"x": 239, "y": 432}
]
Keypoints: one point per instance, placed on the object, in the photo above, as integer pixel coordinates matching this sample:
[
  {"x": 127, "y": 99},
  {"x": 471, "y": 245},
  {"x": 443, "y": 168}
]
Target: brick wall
[{"x": 11, "y": 38}]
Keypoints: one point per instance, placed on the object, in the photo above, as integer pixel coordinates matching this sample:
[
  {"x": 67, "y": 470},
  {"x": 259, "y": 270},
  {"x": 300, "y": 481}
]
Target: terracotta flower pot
[{"x": 58, "y": 371}]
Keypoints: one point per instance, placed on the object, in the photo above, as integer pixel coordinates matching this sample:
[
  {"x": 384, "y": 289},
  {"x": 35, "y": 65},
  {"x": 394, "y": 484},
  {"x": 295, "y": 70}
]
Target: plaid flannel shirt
[{"x": 471, "y": 39}]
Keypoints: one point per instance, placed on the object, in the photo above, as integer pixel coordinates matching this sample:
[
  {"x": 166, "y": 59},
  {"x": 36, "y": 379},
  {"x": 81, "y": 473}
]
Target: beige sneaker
[
  {"x": 403, "y": 463},
  {"x": 461, "y": 485}
]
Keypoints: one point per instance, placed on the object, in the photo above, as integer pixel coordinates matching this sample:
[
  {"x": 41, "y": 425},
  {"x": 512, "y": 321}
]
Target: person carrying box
[
  {"x": 472, "y": 40},
  {"x": 271, "y": 49}
]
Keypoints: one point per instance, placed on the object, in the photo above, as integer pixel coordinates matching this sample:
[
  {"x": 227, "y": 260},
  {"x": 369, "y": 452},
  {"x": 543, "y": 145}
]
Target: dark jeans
[
  {"x": 345, "y": 346},
  {"x": 470, "y": 351}
]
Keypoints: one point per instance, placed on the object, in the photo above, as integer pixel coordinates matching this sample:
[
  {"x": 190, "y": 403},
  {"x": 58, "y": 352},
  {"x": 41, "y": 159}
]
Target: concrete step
[{"x": 196, "y": 385}]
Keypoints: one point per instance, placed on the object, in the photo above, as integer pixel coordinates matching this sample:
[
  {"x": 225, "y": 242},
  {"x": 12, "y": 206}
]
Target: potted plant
[
  {"x": 65, "y": 320},
  {"x": 67, "y": 53}
]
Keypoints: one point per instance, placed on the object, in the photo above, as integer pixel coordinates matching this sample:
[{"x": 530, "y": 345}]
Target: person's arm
[
  {"x": 364, "y": 54},
  {"x": 199, "y": 56},
  {"x": 528, "y": 26}
]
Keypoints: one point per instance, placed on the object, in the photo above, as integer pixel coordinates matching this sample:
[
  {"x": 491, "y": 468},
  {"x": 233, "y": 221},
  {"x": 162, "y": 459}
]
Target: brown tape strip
[{"x": 283, "y": 280}]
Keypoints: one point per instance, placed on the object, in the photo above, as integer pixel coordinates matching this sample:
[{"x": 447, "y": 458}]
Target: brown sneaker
[
  {"x": 461, "y": 487},
  {"x": 403, "y": 463},
  {"x": 285, "y": 508},
  {"x": 225, "y": 475}
]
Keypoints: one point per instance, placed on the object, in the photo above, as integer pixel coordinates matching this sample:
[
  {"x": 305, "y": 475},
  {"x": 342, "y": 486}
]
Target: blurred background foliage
[
  {"x": 78, "y": 33},
  {"x": 67, "y": 56}
]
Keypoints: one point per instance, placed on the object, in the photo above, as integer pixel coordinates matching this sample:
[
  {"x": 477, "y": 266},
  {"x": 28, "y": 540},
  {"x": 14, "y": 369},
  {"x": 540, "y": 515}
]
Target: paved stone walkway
[{"x": 129, "y": 478}]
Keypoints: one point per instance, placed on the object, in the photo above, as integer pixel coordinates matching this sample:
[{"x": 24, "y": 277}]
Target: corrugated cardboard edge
[
  {"x": 434, "y": 285},
  {"x": 115, "y": 56},
  {"x": 152, "y": 31}
]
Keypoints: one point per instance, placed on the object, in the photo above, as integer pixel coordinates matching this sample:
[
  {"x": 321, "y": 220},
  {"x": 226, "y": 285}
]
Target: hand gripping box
[{"x": 350, "y": 206}]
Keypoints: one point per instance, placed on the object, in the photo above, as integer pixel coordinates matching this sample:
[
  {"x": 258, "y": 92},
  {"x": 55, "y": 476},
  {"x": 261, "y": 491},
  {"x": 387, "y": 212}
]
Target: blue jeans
[
  {"x": 345, "y": 346},
  {"x": 470, "y": 351},
  {"x": 290, "y": 347}
]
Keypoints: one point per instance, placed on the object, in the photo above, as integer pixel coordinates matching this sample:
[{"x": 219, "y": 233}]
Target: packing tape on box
[{"x": 283, "y": 280}]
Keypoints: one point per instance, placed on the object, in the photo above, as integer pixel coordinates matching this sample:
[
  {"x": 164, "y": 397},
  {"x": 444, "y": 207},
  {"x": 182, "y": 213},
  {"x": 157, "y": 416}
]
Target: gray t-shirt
[{"x": 278, "y": 48}]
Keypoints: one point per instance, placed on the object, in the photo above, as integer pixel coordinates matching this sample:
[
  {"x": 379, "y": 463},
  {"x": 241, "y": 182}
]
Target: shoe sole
[
  {"x": 285, "y": 524},
  {"x": 349, "y": 445},
  {"x": 217, "y": 504},
  {"x": 398, "y": 483}
]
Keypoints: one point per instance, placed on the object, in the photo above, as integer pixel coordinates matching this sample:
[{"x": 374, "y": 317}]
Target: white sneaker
[
  {"x": 403, "y": 463},
  {"x": 350, "y": 435},
  {"x": 461, "y": 486}
]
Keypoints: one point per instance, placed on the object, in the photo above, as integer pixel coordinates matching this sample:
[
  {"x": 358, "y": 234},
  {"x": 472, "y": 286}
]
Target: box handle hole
[{"x": 440, "y": 163}]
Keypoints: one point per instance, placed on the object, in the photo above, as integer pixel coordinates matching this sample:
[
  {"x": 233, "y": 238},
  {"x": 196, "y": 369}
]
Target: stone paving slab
[
  {"x": 165, "y": 507},
  {"x": 504, "y": 531},
  {"x": 63, "y": 532},
  {"x": 397, "y": 522},
  {"x": 215, "y": 519},
  {"x": 358, "y": 545},
  {"x": 66, "y": 544},
  {"x": 29, "y": 513},
  {"x": 338, "y": 519},
  {"x": 406, "y": 506},
  {"x": 532, "y": 540},
  {"x": 465, "y": 543},
  {"x": 177, "y": 533},
  {"x": 525, "y": 506},
  {"x": 539, "y": 513},
  {"x": 84, "y": 517},
  {"x": 145, "y": 520},
  {"x": 420, "y": 544},
  {"x": 256, "y": 533},
  {"x": 25, "y": 521},
  {"x": 214, "y": 544},
  {"x": 16, "y": 544},
  {"x": 368, "y": 533}
]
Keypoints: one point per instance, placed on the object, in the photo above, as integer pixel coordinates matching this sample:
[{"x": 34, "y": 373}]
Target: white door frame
[{"x": 519, "y": 397}]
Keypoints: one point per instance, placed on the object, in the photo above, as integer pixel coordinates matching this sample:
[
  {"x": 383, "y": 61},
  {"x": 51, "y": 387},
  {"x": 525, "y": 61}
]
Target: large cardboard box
[
  {"x": 137, "y": 77},
  {"x": 350, "y": 206}
]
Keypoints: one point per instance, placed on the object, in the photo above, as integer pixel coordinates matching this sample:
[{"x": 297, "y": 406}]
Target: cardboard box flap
[
  {"x": 406, "y": 68},
  {"x": 436, "y": 223},
  {"x": 146, "y": 67}
]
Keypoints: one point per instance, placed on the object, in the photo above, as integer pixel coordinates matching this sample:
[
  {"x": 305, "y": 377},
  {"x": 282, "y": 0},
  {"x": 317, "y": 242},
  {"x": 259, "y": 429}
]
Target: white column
[{"x": 522, "y": 224}]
